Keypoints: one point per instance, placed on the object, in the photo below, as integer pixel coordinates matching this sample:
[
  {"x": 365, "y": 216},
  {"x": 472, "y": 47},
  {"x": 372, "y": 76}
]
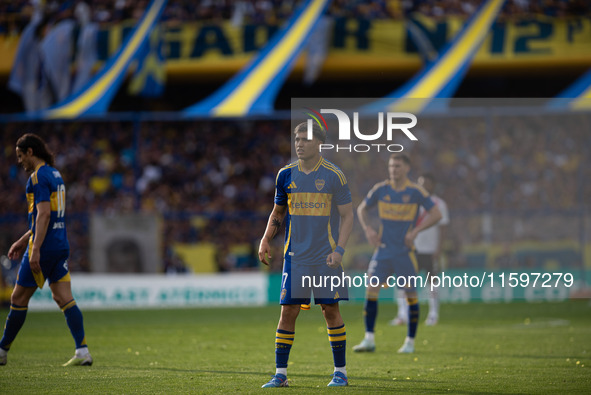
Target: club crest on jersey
[
  {"x": 319, "y": 184},
  {"x": 387, "y": 198},
  {"x": 283, "y": 293},
  {"x": 406, "y": 198}
]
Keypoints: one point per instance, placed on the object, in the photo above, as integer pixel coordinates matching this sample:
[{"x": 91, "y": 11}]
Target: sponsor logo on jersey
[
  {"x": 307, "y": 203},
  {"x": 397, "y": 211}
]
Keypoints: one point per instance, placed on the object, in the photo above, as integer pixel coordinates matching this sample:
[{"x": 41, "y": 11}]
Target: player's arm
[
  {"x": 370, "y": 233},
  {"x": 41, "y": 225},
  {"x": 346, "y": 226},
  {"x": 17, "y": 248},
  {"x": 431, "y": 219},
  {"x": 273, "y": 226}
]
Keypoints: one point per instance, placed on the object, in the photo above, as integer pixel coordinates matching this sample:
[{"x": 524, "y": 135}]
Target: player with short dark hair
[
  {"x": 398, "y": 201},
  {"x": 46, "y": 248},
  {"x": 313, "y": 197}
]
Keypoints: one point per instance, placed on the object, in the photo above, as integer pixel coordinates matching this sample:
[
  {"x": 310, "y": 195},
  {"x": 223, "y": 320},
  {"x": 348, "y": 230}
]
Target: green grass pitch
[{"x": 476, "y": 348}]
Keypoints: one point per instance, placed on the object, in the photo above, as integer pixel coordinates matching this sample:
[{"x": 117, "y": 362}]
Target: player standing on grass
[
  {"x": 428, "y": 243},
  {"x": 46, "y": 248},
  {"x": 313, "y": 195},
  {"x": 398, "y": 202}
]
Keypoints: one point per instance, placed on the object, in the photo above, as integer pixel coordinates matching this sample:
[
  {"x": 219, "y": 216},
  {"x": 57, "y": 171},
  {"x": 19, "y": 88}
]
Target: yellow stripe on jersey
[
  {"x": 285, "y": 168},
  {"x": 34, "y": 178},
  {"x": 420, "y": 189},
  {"x": 288, "y": 239},
  {"x": 309, "y": 203},
  {"x": 315, "y": 167},
  {"x": 334, "y": 169},
  {"x": 333, "y": 244},
  {"x": 53, "y": 201},
  {"x": 31, "y": 201},
  {"x": 397, "y": 211},
  {"x": 320, "y": 162}
]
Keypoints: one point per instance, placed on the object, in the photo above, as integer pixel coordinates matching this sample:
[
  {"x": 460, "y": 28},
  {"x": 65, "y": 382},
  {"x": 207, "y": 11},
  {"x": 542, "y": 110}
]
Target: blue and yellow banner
[
  {"x": 150, "y": 75},
  {"x": 576, "y": 97},
  {"x": 441, "y": 78},
  {"x": 253, "y": 90},
  {"x": 96, "y": 96},
  {"x": 375, "y": 45}
]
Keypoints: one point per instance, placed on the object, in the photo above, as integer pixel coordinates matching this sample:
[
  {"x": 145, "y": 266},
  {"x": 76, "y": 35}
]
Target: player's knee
[
  {"x": 289, "y": 313},
  {"x": 60, "y": 300},
  {"x": 19, "y": 297},
  {"x": 18, "y": 300},
  {"x": 330, "y": 311}
]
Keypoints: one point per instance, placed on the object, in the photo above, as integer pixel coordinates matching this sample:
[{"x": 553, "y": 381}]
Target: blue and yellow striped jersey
[
  {"x": 46, "y": 185},
  {"x": 398, "y": 210},
  {"x": 312, "y": 220}
]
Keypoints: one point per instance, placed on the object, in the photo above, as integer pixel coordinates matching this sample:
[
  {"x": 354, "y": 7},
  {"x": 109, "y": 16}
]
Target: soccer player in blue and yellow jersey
[
  {"x": 398, "y": 201},
  {"x": 46, "y": 248},
  {"x": 313, "y": 197}
]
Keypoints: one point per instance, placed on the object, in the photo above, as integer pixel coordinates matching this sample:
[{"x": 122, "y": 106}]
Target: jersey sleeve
[
  {"x": 280, "y": 192},
  {"x": 372, "y": 196},
  {"x": 342, "y": 194},
  {"x": 426, "y": 201},
  {"x": 41, "y": 188}
]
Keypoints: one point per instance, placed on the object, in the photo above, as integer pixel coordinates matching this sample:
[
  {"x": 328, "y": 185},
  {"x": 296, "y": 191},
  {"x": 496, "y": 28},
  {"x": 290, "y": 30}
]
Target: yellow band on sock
[
  {"x": 336, "y": 331},
  {"x": 68, "y": 305}
]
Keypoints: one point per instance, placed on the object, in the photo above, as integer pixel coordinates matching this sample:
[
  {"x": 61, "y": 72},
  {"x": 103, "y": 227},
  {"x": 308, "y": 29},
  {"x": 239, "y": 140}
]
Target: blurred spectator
[{"x": 16, "y": 14}]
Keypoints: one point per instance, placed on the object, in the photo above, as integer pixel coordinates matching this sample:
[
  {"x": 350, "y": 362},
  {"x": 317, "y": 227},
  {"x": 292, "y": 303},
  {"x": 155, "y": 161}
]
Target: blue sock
[
  {"x": 283, "y": 343},
  {"x": 338, "y": 341},
  {"x": 413, "y": 316},
  {"x": 74, "y": 320},
  {"x": 14, "y": 323},
  {"x": 370, "y": 311}
]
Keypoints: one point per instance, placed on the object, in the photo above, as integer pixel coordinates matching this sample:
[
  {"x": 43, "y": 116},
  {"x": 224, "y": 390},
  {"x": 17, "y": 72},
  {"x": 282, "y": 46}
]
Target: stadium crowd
[
  {"x": 16, "y": 14},
  {"x": 223, "y": 173}
]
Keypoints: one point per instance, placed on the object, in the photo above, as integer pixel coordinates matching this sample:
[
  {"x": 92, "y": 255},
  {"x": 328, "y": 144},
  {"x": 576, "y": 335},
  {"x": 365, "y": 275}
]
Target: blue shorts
[
  {"x": 403, "y": 264},
  {"x": 54, "y": 266},
  {"x": 300, "y": 281}
]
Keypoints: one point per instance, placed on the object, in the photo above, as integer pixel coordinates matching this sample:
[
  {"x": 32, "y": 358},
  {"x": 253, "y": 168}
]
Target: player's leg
[
  {"x": 380, "y": 270},
  {"x": 413, "y": 322},
  {"x": 284, "y": 338},
  {"x": 407, "y": 266},
  {"x": 402, "y": 314},
  {"x": 62, "y": 294},
  {"x": 19, "y": 302},
  {"x": 337, "y": 336},
  {"x": 285, "y": 334},
  {"x": 432, "y": 267},
  {"x": 370, "y": 313}
]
